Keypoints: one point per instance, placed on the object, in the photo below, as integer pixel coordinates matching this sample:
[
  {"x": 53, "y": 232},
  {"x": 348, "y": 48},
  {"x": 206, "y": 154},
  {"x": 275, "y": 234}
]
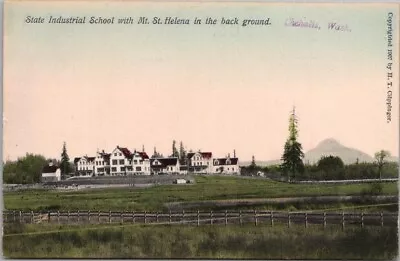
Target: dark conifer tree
[{"x": 293, "y": 153}]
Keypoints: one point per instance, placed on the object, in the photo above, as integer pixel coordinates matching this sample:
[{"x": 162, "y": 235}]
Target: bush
[{"x": 374, "y": 189}]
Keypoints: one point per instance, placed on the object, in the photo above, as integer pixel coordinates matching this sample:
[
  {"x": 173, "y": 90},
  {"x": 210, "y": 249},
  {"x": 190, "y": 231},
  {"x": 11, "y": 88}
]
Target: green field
[
  {"x": 138, "y": 241},
  {"x": 153, "y": 198}
]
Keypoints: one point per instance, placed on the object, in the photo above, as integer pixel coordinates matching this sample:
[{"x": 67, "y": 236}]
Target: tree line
[
  {"x": 327, "y": 168},
  {"x": 28, "y": 169}
]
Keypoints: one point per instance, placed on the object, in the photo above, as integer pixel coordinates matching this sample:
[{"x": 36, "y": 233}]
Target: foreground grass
[
  {"x": 135, "y": 241},
  {"x": 206, "y": 188}
]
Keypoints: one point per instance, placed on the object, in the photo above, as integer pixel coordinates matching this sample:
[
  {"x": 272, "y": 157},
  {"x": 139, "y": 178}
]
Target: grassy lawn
[
  {"x": 240, "y": 242},
  {"x": 153, "y": 198}
]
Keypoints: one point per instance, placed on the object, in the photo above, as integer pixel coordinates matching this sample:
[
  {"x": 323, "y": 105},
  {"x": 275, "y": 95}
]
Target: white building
[
  {"x": 121, "y": 161},
  {"x": 84, "y": 166},
  {"x": 165, "y": 166},
  {"x": 140, "y": 163},
  {"x": 200, "y": 162},
  {"x": 51, "y": 173},
  {"x": 226, "y": 165},
  {"x": 102, "y": 164}
]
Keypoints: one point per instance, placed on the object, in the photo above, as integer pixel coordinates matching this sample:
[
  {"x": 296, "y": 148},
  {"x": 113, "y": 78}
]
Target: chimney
[{"x": 234, "y": 153}]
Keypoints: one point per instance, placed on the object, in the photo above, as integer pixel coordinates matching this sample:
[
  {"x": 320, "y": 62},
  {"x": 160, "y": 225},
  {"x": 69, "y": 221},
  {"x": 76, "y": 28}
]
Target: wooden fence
[{"x": 203, "y": 218}]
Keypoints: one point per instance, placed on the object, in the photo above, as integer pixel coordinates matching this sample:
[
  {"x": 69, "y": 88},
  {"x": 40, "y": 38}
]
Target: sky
[{"x": 216, "y": 87}]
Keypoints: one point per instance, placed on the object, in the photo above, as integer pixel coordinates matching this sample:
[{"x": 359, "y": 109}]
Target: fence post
[
  {"x": 381, "y": 219},
  {"x": 68, "y": 217},
  {"x": 58, "y": 216},
  {"x": 20, "y": 216},
  {"x": 170, "y": 217},
  {"x": 157, "y": 216},
  {"x": 122, "y": 216},
  {"x": 272, "y": 218},
  {"x": 133, "y": 217},
  {"x": 14, "y": 215},
  {"x": 145, "y": 217},
  {"x": 183, "y": 216},
  {"x": 211, "y": 217},
  {"x": 48, "y": 216},
  {"x": 89, "y": 216},
  {"x": 98, "y": 217},
  {"x": 324, "y": 220},
  {"x": 288, "y": 219},
  {"x": 255, "y": 217},
  {"x": 343, "y": 220},
  {"x": 32, "y": 217},
  {"x": 78, "y": 215},
  {"x": 109, "y": 216},
  {"x": 305, "y": 219},
  {"x": 198, "y": 218},
  {"x": 240, "y": 217},
  {"x": 362, "y": 219},
  {"x": 226, "y": 217}
]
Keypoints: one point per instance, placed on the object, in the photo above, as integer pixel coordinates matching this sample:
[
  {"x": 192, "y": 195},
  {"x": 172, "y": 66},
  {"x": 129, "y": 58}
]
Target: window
[
  {"x": 138, "y": 168},
  {"x": 115, "y": 154},
  {"x": 121, "y": 162},
  {"x": 122, "y": 168},
  {"x": 114, "y": 162},
  {"x": 97, "y": 163},
  {"x": 135, "y": 161},
  {"x": 207, "y": 163}
]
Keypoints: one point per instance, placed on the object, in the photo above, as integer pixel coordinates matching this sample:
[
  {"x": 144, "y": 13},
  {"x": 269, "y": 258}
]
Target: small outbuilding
[
  {"x": 180, "y": 181},
  {"x": 51, "y": 173}
]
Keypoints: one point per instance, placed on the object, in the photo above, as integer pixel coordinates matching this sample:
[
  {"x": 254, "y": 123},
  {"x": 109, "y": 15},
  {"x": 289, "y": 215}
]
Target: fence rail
[{"x": 202, "y": 218}]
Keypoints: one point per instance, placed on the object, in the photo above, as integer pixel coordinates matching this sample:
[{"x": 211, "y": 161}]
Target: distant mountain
[
  {"x": 328, "y": 147},
  {"x": 331, "y": 147}
]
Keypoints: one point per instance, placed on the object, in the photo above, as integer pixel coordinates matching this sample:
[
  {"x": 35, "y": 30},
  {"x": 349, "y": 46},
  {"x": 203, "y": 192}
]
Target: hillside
[{"x": 333, "y": 147}]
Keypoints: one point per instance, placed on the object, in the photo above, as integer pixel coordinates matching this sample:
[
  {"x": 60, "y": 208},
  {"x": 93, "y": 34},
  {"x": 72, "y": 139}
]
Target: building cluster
[{"x": 122, "y": 161}]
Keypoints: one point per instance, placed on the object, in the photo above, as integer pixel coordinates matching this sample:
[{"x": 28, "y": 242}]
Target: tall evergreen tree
[
  {"x": 182, "y": 154},
  {"x": 175, "y": 152},
  {"x": 253, "y": 162},
  {"x": 293, "y": 153},
  {"x": 65, "y": 164},
  {"x": 155, "y": 153}
]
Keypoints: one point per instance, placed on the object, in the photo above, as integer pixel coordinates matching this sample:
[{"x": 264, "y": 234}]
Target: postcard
[{"x": 214, "y": 130}]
